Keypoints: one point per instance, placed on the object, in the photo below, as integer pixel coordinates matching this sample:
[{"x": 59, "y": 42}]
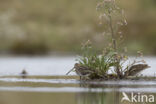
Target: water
[
  {"x": 36, "y": 65},
  {"x": 47, "y": 83},
  {"x": 49, "y": 65}
]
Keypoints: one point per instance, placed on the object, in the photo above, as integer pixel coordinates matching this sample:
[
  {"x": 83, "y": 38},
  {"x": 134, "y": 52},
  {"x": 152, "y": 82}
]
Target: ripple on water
[
  {"x": 75, "y": 81},
  {"x": 75, "y": 89},
  {"x": 90, "y": 86}
]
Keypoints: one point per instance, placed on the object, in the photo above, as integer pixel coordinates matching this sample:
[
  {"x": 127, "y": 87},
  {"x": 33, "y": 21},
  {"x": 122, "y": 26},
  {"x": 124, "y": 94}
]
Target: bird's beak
[
  {"x": 70, "y": 71},
  {"x": 149, "y": 67}
]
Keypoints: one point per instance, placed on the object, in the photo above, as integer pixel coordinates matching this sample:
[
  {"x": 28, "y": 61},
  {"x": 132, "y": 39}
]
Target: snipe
[
  {"x": 135, "y": 69},
  {"x": 81, "y": 70}
]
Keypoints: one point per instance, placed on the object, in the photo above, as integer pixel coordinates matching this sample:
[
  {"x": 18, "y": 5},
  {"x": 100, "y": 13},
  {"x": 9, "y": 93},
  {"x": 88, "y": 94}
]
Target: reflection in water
[
  {"x": 114, "y": 96},
  {"x": 45, "y": 88},
  {"x": 98, "y": 98},
  {"x": 69, "y": 90},
  {"x": 102, "y": 97}
]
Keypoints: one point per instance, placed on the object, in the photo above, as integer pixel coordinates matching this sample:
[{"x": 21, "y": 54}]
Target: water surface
[
  {"x": 47, "y": 83},
  {"x": 50, "y": 65}
]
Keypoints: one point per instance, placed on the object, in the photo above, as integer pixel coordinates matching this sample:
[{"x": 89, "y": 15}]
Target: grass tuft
[{"x": 92, "y": 65}]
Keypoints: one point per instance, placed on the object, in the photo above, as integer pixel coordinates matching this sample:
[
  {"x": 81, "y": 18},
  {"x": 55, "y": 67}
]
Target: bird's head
[
  {"x": 76, "y": 65},
  {"x": 144, "y": 66}
]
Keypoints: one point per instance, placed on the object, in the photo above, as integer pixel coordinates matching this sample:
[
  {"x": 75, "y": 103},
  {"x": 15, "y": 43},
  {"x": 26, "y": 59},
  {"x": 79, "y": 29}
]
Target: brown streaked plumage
[
  {"x": 135, "y": 69},
  {"x": 81, "y": 70}
]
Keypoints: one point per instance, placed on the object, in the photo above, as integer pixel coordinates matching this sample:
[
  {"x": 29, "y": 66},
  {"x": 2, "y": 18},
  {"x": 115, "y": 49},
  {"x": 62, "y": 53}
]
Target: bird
[
  {"x": 135, "y": 69},
  {"x": 81, "y": 70},
  {"x": 23, "y": 73}
]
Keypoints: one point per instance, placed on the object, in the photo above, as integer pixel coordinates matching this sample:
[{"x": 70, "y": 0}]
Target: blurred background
[
  {"x": 35, "y": 27},
  {"x": 41, "y": 28}
]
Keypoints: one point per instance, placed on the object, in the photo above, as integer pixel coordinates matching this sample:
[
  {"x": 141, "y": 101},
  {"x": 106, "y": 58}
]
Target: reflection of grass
[{"x": 96, "y": 98}]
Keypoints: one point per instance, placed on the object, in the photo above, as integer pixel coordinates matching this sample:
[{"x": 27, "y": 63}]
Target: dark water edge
[{"x": 70, "y": 90}]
